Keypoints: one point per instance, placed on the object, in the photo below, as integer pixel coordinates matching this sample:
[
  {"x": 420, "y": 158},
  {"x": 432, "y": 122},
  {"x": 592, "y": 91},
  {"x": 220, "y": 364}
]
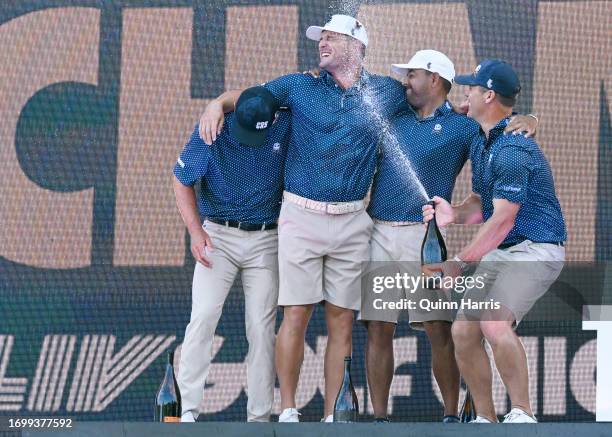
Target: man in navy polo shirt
[
  {"x": 239, "y": 234},
  {"x": 519, "y": 246},
  {"x": 324, "y": 230},
  {"x": 434, "y": 141}
]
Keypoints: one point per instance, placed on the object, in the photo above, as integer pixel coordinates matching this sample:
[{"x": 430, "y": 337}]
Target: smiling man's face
[{"x": 337, "y": 50}]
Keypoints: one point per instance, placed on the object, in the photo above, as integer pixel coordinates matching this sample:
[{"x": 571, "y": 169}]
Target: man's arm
[
  {"x": 468, "y": 212},
  {"x": 492, "y": 232},
  {"x": 186, "y": 203},
  {"x": 211, "y": 121}
]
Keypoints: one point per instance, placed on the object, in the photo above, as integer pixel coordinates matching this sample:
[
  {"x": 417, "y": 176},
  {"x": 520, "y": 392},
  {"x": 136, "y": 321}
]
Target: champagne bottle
[
  {"x": 468, "y": 410},
  {"x": 346, "y": 406},
  {"x": 168, "y": 399},
  {"x": 433, "y": 250}
]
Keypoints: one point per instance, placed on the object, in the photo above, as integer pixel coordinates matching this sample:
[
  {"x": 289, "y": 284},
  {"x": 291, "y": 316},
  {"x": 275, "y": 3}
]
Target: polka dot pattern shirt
[
  {"x": 332, "y": 152},
  {"x": 435, "y": 148},
  {"x": 238, "y": 182},
  {"x": 514, "y": 168}
]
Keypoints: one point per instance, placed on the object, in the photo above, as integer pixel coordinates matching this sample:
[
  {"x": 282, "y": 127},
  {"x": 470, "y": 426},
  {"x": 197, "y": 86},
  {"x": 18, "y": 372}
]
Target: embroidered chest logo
[
  {"x": 276, "y": 147},
  {"x": 437, "y": 128}
]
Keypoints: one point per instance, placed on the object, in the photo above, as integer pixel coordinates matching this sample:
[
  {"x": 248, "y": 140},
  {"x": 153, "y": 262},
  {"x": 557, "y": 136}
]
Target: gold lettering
[{"x": 41, "y": 227}]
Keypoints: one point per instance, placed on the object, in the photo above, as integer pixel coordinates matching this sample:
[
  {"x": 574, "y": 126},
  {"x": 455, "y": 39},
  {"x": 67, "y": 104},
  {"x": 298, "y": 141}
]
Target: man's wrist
[{"x": 462, "y": 264}]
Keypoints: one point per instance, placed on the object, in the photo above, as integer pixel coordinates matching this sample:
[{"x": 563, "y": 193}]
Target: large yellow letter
[
  {"x": 40, "y": 227},
  {"x": 569, "y": 71}
]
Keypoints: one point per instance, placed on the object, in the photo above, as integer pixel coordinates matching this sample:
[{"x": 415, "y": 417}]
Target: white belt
[
  {"x": 324, "y": 207},
  {"x": 384, "y": 222}
]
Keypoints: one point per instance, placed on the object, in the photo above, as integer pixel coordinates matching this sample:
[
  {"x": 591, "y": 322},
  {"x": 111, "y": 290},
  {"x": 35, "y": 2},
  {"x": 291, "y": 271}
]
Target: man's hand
[
  {"x": 448, "y": 269},
  {"x": 211, "y": 122},
  {"x": 443, "y": 211},
  {"x": 462, "y": 108},
  {"x": 522, "y": 123},
  {"x": 201, "y": 244}
]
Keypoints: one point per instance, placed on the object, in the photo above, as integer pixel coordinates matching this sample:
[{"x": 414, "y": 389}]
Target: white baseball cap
[
  {"x": 430, "y": 60},
  {"x": 344, "y": 24}
]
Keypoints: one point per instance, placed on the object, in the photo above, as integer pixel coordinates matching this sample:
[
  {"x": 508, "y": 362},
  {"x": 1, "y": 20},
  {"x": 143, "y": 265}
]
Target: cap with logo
[
  {"x": 344, "y": 24},
  {"x": 430, "y": 60},
  {"x": 495, "y": 75},
  {"x": 254, "y": 114}
]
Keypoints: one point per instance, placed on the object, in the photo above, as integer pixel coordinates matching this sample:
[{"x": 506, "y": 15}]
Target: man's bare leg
[
  {"x": 511, "y": 361},
  {"x": 474, "y": 365},
  {"x": 339, "y": 344},
  {"x": 443, "y": 363},
  {"x": 289, "y": 350},
  {"x": 380, "y": 364}
]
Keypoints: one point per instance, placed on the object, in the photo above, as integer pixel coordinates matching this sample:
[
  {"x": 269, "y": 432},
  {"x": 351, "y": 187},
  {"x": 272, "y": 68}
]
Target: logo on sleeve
[
  {"x": 511, "y": 188},
  {"x": 180, "y": 162}
]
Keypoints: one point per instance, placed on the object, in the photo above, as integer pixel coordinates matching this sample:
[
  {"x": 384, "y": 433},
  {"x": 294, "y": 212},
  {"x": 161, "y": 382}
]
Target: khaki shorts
[
  {"x": 320, "y": 256},
  {"x": 515, "y": 277},
  {"x": 397, "y": 249}
]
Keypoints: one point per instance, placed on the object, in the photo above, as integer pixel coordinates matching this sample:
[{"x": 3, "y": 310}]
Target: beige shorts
[
  {"x": 320, "y": 256},
  {"x": 397, "y": 249},
  {"x": 515, "y": 278}
]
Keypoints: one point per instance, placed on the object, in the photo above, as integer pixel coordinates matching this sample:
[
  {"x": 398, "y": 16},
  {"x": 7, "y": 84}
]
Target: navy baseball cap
[
  {"x": 254, "y": 114},
  {"x": 495, "y": 75}
]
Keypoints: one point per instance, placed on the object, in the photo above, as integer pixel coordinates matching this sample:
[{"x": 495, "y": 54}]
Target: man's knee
[
  {"x": 380, "y": 334},
  {"x": 465, "y": 334},
  {"x": 496, "y": 331},
  {"x": 438, "y": 333},
  {"x": 295, "y": 319},
  {"x": 339, "y": 322}
]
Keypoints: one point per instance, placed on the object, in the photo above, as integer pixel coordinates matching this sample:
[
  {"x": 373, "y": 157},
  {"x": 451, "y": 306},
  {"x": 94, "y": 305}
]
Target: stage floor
[{"x": 223, "y": 429}]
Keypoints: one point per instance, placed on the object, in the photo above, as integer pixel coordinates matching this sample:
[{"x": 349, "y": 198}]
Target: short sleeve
[
  {"x": 511, "y": 174},
  {"x": 192, "y": 163},
  {"x": 283, "y": 86}
]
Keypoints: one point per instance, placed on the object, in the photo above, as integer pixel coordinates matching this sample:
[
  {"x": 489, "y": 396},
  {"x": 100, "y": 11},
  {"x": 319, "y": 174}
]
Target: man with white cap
[
  {"x": 436, "y": 140},
  {"x": 324, "y": 230}
]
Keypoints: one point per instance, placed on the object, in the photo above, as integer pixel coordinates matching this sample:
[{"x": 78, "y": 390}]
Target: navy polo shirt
[
  {"x": 514, "y": 168},
  {"x": 332, "y": 153},
  {"x": 435, "y": 147},
  {"x": 238, "y": 182}
]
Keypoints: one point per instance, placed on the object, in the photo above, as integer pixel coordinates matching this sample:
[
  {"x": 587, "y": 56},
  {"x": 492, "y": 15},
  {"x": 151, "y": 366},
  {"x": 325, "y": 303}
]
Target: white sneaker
[
  {"x": 187, "y": 417},
  {"x": 328, "y": 419},
  {"x": 516, "y": 415},
  {"x": 289, "y": 415},
  {"x": 480, "y": 419}
]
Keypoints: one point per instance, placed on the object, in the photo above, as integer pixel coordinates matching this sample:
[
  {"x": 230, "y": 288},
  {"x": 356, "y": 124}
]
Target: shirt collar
[
  {"x": 496, "y": 131},
  {"x": 362, "y": 81},
  {"x": 442, "y": 110}
]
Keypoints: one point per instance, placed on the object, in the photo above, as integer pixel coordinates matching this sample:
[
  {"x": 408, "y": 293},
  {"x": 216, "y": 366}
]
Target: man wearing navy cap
[
  {"x": 519, "y": 247},
  {"x": 239, "y": 235}
]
